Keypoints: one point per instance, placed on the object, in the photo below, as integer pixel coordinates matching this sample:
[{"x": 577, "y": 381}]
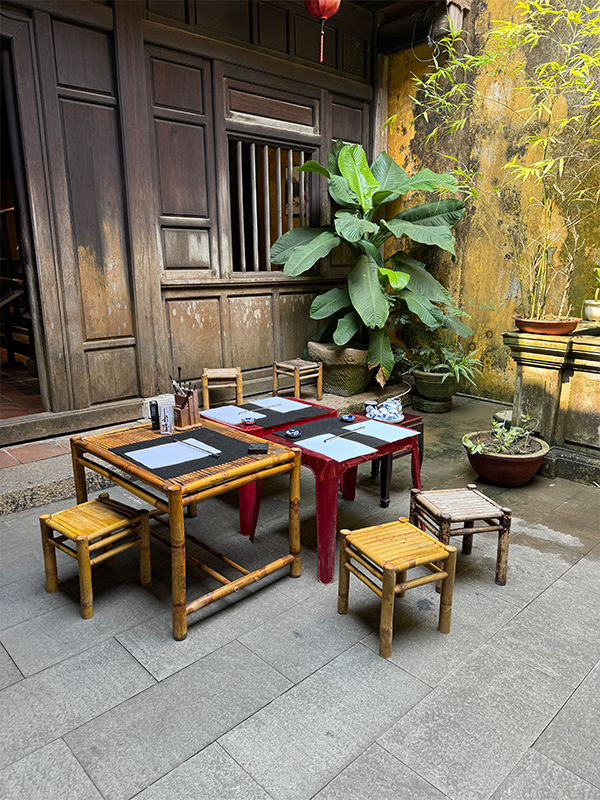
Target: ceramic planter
[
  {"x": 432, "y": 386},
  {"x": 345, "y": 370},
  {"x": 592, "y": 310},
  {"x": 505, "y": 470},
  {"x": 549, "y": 327}
]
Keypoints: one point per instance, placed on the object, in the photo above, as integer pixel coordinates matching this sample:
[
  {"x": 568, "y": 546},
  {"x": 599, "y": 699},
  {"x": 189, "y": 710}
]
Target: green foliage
[
  {"x": 508, "y": 440},
  {"x": 597, "y": 291},
  {"x": 376, "y": 286},
  {"x": 544, "y": 67}
]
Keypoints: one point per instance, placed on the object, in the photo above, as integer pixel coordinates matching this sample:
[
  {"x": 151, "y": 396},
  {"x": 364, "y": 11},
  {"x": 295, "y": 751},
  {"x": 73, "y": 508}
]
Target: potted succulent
[
  {"x": 541, "y": 71},
  {"x": 507, "y": 455},
  {"x": 357, "y": 313},
  {"x": 592, "y": 307}
]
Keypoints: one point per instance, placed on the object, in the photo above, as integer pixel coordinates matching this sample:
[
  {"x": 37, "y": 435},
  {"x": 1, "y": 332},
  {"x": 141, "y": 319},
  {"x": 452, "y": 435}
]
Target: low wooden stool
[
  {"x": 387, "y": 552},
  {"x": 222, "y": 379},
  {"x": 438, "y": 511},
  {"x": 299, "y": 370},
  {"x": 95, "y": 526}
]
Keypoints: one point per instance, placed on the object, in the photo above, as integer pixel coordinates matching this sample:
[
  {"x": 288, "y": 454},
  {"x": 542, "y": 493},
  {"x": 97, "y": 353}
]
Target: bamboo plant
[{"x": 375, "y": 284}]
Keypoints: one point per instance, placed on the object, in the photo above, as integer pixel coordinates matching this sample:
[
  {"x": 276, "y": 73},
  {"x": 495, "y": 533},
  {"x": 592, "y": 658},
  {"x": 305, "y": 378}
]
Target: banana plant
[{"x": 375, "y": 284}]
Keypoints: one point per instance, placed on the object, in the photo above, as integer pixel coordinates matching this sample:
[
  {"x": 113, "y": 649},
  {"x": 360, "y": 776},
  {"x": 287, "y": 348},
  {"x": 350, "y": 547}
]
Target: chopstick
[{"x": 339, "y": 435}]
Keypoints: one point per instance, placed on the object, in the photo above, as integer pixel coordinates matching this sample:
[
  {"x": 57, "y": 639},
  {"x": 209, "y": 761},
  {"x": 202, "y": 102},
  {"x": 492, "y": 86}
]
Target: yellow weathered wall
[{"x": 483, "y": 278}]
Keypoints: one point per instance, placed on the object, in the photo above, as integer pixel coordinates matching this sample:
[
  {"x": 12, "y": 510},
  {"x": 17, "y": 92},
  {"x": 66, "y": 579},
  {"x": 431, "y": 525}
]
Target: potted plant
[
  {"x": 592, "y": 307},
  {"x": 507, "y": 455},
  {"x": 358, "y": 312},
  {"x": 541, "y": 72},
  {"x": 439, "y": 369}
]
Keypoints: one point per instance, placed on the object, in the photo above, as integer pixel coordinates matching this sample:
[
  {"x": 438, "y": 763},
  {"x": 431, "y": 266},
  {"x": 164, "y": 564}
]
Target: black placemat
[
  {"x": 272, "y": 418},
  {"x": 231, "y": 450},
  {"x": 332, "y": 425}
]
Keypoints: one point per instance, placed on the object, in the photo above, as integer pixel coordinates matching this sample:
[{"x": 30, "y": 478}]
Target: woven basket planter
[{"x": 345, "y": 370}]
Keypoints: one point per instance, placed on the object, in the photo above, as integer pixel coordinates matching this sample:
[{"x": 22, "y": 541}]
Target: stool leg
[
  {"x": 320, "y": 382},
  {"x": 412, "y": 514},
  {"x": 444, "y": 537},
  {"x": 503, "y": 542},
  {"x": 103, "y": 497},
  {"x": 49, "y": 556},
  {"x": 401, "y": 578},
  {"x": 275, "y": 383},
  {"x": 467, "y": 544},
  {"x": 386, "y": 624},
  {"x": 85, "y": 579},
  {"x": 145, "y": 566},
  {"x": 239, "y": 393},
  {"x": 344, "y": 577},
  {"x": 447, "y": 592},
  {"x": 205, "y": 396},
  {"x": 297, "y": 382},
  {"x": 192, "y": 509}
]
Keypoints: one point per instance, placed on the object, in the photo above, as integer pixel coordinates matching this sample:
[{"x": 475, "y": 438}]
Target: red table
[{"x": 328, "y": 473}]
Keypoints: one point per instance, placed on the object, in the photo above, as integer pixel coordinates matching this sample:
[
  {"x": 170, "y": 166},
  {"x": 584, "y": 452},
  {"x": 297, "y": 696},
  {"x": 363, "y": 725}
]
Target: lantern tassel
[{"x": 322, "y": 36}]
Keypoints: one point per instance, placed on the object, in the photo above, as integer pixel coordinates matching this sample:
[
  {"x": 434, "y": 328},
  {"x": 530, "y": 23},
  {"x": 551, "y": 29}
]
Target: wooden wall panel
[
  {"x": 182, "y": 167},
  {"x": 83, "y": 58},
  {"x": 177, "y": 86},
  {"x": 353, "y": 50},
  {"x": 231, "y": 18},
  {"x": 272, "y": 27},
  {"x": 347, "y": 122},
  {"x": 307, "y": 41},
  {"x": 251, "y": 331},
  {"x": 174, "y": 9},
  {"x": 185, "y": 248},
  {"x": 112, "y": 374},
  {"x": 196, "y": 335},
  {"x": 96, "y": 190},
  {"x": 296, "y": 325}
]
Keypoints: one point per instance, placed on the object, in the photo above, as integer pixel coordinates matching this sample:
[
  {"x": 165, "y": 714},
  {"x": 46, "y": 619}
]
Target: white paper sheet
[
  {"x": 166, "y": 455},
  {"x": 281, "y": 404},
  {"x": 339, "y": 449},
  {"x": 230, "y": 414},
  {"x": 384, "y": 431}
]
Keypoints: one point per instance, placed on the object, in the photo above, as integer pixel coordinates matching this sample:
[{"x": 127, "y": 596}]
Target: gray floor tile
[
  {"x": 9, "y": 672},
  {"x": 302, "y": 740},
  {"x": 52, "y": 773},
  {"x": 572, "y": 739},
  {"x": 586, "y": 572},
  {"x": 486, "y": 715},
  {"x": 133, "y": 745},
  {"x": 48, "y": 639},
  {"x": 537, "y": 776},
  {"x": 39, "y": 709},
  {"x": 28, "y": 598},
  {"x": 308, "y": 635},
  {"x": 565, "y": 536},
  {"x": 210, "y": 775},
  {"x": 152, "y": 644},
  {"x": 377, "y": 775}
]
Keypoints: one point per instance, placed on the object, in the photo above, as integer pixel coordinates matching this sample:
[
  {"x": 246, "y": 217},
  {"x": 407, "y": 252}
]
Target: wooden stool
[
  {"x": 299, "y": 370},
  {"x": 387, "y": 552},
  {"x": 438, "y": 511},
  {"x": 94, "y": 526},
  {"x": 222, "y": 379}
]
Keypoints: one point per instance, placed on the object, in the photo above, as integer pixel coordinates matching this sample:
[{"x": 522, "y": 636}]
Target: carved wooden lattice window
[{"x": 269, "y": 196}]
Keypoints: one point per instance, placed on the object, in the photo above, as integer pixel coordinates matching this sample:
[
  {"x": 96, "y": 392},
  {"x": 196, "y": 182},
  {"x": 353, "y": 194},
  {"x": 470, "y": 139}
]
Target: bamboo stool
[
  {"x": 387, "y": 552},
  {"x": 438, "y": 511},
  {"x": 94, "y": 527},
  {"x": 299, "y": 370},
  {"x": 222, "y": 379}
]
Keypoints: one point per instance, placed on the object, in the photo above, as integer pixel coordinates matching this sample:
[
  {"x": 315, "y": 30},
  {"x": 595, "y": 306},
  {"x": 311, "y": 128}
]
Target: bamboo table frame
[{"x": 187, "y": 490}]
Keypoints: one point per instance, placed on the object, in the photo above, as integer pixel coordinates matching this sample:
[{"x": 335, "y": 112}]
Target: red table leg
[
  {"x": 416, "y": 465},
  {"x": 327, "y": 506},
  {"x": 250, "y": 496},
  {"x": 349, "y": 483}
]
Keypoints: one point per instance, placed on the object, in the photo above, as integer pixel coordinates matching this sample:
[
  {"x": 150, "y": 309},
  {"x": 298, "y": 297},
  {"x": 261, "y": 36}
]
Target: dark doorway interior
[{"x": 19, "y": 385}]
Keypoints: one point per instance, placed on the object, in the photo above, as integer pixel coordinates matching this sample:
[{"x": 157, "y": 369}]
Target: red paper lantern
[{"x": 322, "y": 9}]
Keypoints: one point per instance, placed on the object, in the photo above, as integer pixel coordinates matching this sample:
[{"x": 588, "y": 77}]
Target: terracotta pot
[
  {"x": 592, "y": 310},
  {"x": 549, "y": 327},
  {"x": 432, "y": 386},
  {"x": 505, "y": 470}
]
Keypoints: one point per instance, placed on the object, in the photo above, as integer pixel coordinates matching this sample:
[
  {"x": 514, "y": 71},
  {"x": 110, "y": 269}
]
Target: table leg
[
  {"x": 327, "y": 505},
  {"x": 249, "y": 497},
  {"x": 416, "y": 466},
  {"x": 349, "y": 483},
  {"x": 178, "y": 582},
  {"x": 294, "y": 516},
  {"x": 78, "y": 475},
  {"x": 385, "y": 483}
]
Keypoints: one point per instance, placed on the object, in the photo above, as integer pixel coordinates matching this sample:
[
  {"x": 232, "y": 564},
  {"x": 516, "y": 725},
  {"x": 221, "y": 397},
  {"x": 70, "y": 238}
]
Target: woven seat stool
[
  {"x": 387, "y": 552},
  {"x": 439, "y": 511},
  {"x": 94, "y": 528},
  {"x": 299, "y": 370},
  {"x": 222, "y": 379}
]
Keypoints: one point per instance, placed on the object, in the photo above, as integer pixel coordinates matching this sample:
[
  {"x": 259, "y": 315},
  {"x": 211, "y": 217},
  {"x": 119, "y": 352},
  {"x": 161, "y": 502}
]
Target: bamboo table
[{"x": 200, "y": 481}]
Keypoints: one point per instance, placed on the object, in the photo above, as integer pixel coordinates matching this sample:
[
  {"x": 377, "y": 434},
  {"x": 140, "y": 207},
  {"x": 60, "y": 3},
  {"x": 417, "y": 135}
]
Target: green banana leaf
[
  {"x": 441, "y": 235},
  {"x": 440, "y": 212},
  {"x": 427, "y": 181},
  {"x": 380, "y": 355},
  {"x": 370, "y": 250},
  {"x": 366, "y": 293},
  {"x": 391, "y": 178},
  {"x": 352, "y": 162},
  {"x": 430, "y": 315},
  {"x": 421, "y": 281},
  {"x": 324, "y": 305},
  {"x": 397, "y": 280},
  {"x": 305, "y": 256},
  {"x": 350, "y": 226},
  {"x": 341, "y": 193},
  {"x": 346, "y": 328},
  {"x": 283, "y": 249},
  {"x": 314, "y": 166}
]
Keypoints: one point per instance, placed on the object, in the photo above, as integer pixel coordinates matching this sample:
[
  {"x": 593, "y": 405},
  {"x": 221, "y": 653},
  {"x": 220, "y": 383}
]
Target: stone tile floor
[{"x": 275, "y": 695}]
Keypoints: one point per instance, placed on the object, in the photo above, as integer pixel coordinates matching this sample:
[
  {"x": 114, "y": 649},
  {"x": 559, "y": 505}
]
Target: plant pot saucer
[
  {"x": 430, "y": 406},
  {"x": 547, "y": 327}
]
